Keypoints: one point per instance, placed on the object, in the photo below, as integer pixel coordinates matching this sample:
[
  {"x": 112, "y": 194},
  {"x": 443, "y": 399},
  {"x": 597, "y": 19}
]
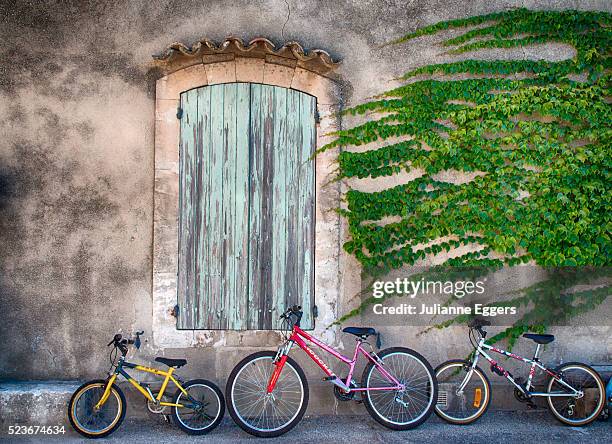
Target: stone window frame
[{"x": 275, "y": 71}]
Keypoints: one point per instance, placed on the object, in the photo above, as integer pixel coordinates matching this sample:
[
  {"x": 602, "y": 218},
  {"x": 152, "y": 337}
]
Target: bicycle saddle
[
  {"x": 171, "y": 362},
  {"x": 539, "y": 339},
  {"x": 359, "y": 331}
]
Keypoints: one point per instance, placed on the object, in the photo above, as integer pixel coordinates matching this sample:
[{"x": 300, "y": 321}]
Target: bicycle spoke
[
  {"x": 261, "y": 410},
  {"x": 203, "y": 412},
  {"x": 574, "y": 409},
  {"x": 92, "y": 420},
  {"x": 401, "y": 406},
  {"x": 461, "y": 407}
]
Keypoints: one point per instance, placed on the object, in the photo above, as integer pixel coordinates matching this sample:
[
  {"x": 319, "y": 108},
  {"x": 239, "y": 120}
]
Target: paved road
[{"x": 529, "y": 427}]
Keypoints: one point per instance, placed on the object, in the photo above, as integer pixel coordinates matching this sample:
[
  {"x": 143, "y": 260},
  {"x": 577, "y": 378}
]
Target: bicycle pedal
[
  {"x": 167, "y": 418},
  {"x": 531, "y": 405}
]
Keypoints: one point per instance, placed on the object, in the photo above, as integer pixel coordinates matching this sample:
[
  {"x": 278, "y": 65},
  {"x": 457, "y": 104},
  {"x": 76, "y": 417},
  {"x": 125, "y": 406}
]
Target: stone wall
[{"x": 77, "y": 132}]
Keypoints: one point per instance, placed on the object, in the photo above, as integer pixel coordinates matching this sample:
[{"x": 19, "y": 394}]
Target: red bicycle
[{"x": 267, "y": 391}]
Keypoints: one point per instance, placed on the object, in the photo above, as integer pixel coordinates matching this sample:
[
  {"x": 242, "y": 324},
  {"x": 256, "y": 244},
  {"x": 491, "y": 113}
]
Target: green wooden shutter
[{"x": 246, "y": 224}]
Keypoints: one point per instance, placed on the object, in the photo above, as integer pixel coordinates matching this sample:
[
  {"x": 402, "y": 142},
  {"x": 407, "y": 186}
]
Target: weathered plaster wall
[{"x": 76, "y": 160}]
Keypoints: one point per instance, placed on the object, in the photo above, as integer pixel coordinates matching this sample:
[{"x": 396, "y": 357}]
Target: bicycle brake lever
[
  {"x": 115, "y": 340},
  {"x": 137, "y": 341}
]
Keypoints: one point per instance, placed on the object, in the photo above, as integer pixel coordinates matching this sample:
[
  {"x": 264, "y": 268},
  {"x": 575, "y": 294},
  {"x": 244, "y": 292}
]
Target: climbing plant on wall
[{"x": 534, "y": 137}]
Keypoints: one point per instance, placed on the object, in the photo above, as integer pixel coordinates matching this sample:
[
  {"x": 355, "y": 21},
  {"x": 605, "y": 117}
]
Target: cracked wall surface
[{"x": 77, "y": 112}]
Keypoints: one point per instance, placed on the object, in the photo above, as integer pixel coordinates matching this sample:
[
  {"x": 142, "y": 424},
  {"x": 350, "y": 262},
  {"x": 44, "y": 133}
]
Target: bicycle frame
[
  {"x": 299, "y": 337},
  {"x": 146, "y": 392},
  {"x": 535, "y": 363}
]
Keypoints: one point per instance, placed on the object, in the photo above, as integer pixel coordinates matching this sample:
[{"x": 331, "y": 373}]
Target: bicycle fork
[
  {"x": 107, "y": 391},
  {"x": 468, "y": 376},
  {"x": 279, "y": 362}
]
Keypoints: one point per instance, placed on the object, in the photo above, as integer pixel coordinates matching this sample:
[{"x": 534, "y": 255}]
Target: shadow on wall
[
  {"x": 9, "y": 241},
  {"x": 7, "y": 180},
  {"x": 68, "y": 267},
  {"x": 9, "y": 246},
  {"x": 56, "y": 276},
  {"x": 13, "y": 190}
]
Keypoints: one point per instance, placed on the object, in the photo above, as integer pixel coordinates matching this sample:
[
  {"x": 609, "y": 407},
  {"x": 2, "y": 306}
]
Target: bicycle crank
[
  {"x": 153, "y": 406},
  {"x": 523, "y": 396},
  {"x": 156, "y": 408},
  {"x": 518, "y": 394},
  {"x": 343, "y": 395},
  {"x": 337, "y": 382}
]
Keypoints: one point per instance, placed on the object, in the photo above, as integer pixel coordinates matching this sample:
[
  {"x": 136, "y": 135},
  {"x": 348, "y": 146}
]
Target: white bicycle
[{"x": 575, "y": 392}]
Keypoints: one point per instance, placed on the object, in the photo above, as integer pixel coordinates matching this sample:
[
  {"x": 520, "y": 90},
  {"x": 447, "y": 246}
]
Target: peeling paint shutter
[{"x": 246, "y": 228}]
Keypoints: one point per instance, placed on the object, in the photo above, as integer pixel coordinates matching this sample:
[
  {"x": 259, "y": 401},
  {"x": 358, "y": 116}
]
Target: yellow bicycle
[{"x": 97, "y": 408}]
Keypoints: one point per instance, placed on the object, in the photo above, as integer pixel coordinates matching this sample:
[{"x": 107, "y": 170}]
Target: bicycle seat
[
  {"x": 539, "y": 339},
  {"x": 172, "y": 362},
  {"x": 359, "y": 331}
]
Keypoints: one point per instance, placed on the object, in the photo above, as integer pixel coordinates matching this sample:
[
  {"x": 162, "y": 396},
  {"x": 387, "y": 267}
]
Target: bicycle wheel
[
  {"x": 577, "y": 411},
  {"x": 395, "y": 409},
  {"x": 90, "y": 422},
  {"x": 472, "y": 402},
  {"x": 253, "y": 409},
  {"x": 203, "y": 407}
]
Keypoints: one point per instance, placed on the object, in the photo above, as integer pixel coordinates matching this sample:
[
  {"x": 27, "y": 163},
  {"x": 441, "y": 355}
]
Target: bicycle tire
[
  {"x": 230, "y": 395},
  {"x": 487, "y": 399},
  {"x": 220, "y": 411},
  {"x": 600, "y": 386},
  {"x": 431, "y": 401},
  {"x": 76, "y": 396}
]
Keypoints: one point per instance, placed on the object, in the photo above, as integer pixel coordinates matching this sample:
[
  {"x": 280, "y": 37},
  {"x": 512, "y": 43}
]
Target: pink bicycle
[{"x": 267, "y": 392}]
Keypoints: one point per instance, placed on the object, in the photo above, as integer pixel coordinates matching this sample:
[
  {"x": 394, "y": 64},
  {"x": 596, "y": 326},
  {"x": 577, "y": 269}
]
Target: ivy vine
[{"x": 534, "y": 135}]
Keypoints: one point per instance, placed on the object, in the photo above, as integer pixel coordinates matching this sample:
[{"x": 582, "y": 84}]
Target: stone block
[
  {"x": 171, "y": 86},
  {"x": 278, "y": 75},
  {"x": 222, "y": 72},
  {"x": 325, "y": 90},
  {"x": 250, "y": 70}
]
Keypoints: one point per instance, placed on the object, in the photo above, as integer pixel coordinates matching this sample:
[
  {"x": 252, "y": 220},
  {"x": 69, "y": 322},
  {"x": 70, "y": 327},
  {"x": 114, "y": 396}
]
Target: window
[{"x": 246, "y": 206}]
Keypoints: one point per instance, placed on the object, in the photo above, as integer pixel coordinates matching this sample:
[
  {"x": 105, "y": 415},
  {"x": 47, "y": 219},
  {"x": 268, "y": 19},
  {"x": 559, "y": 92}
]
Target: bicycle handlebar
[
  {"x": 116, "y": 340},
  {"x": 478, "y": 323},
  {"x": 292, "y": 310},
  {"x": 121, "y": 343},
  {"x": 295, "y": 310}
]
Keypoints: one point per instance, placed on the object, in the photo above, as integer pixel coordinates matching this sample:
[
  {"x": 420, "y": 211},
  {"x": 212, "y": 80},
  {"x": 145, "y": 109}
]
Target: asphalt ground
[{"x": 530, "y": 427}]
